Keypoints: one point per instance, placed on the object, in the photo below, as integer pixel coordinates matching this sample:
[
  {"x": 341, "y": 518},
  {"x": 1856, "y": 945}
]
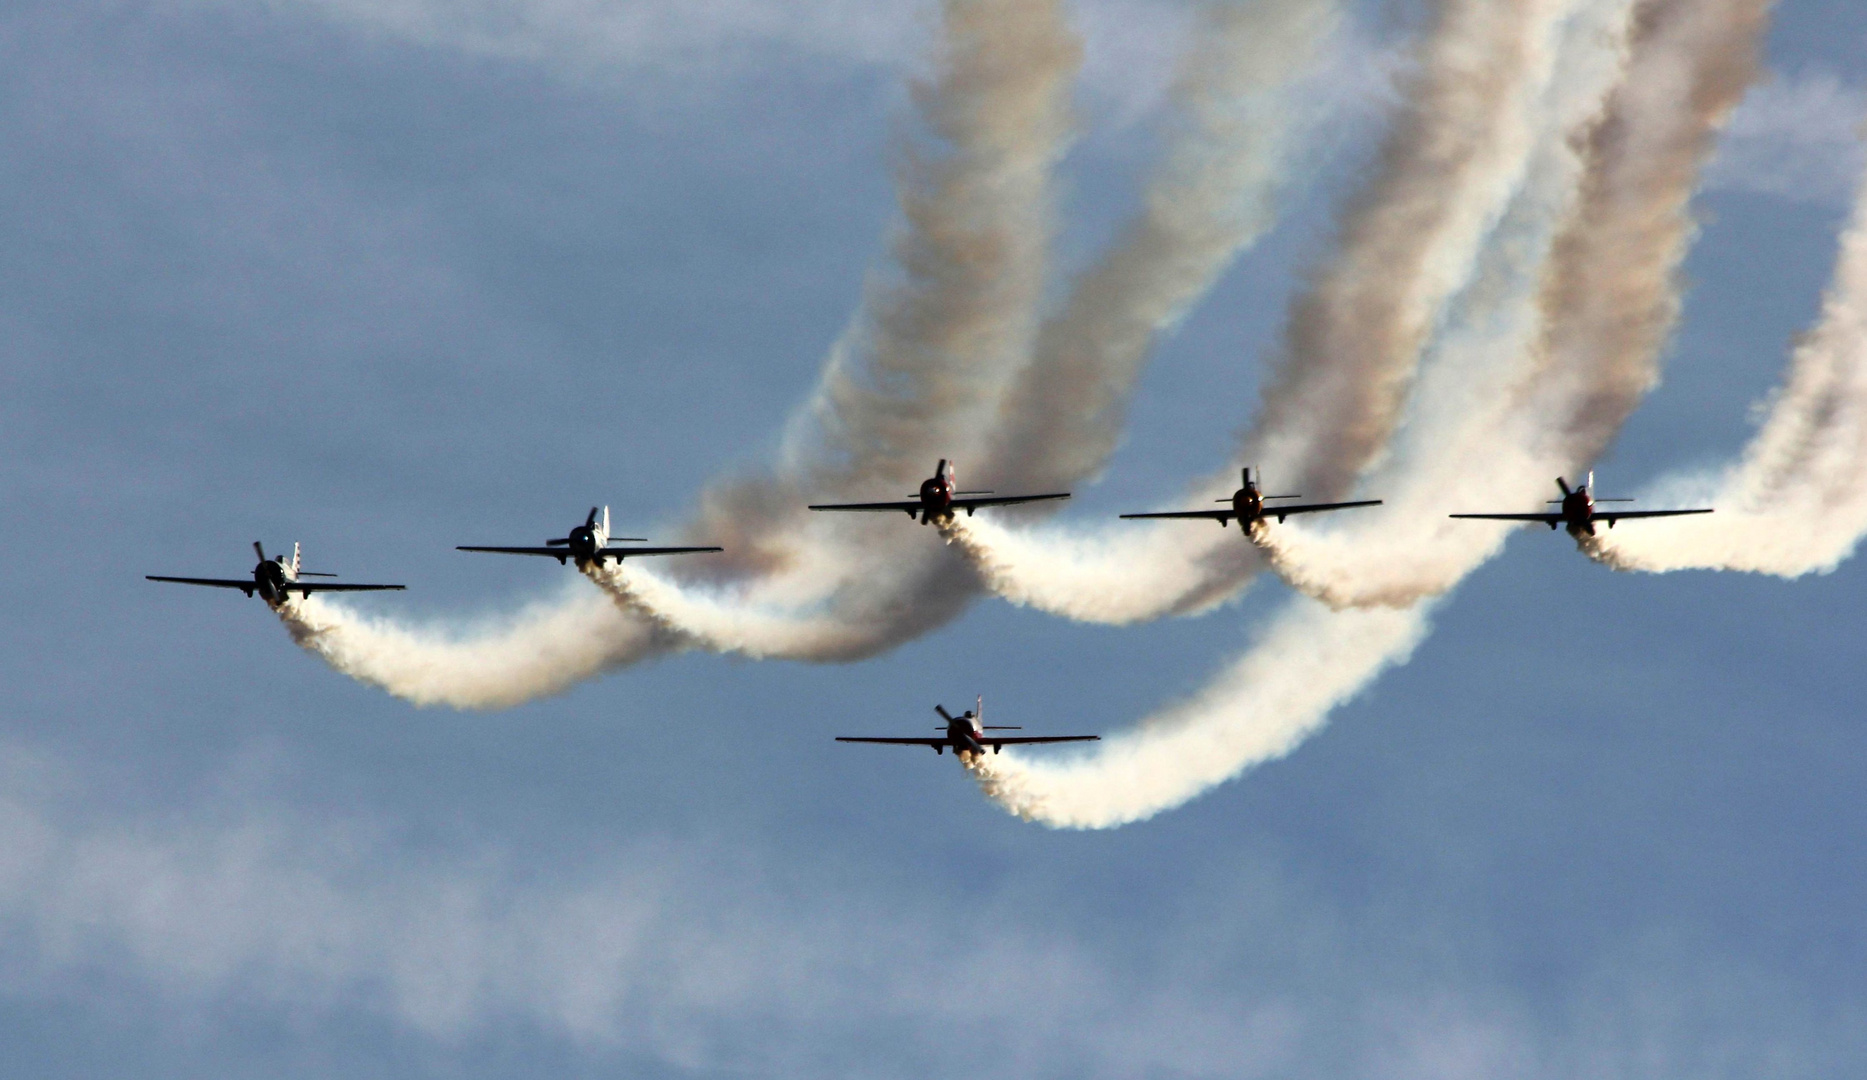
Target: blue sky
[{"x": 385, "y": 281}]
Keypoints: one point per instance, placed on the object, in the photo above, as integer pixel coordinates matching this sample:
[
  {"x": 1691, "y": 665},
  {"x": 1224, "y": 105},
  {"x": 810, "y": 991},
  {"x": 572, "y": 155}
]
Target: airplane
[
  {"x": 1578, "y": 513},
  {"x": 966, "y": 734},
  {"x": 589, "y": 543},
  {"x": 937, "y": 499},
  {"x": 1248, "y": 506},
  {"x": 275, "y": 580}
]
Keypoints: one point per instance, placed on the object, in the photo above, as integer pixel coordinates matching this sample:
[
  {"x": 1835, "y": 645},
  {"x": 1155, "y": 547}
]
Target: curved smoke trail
[
  {"x": 1467, "y": 440},
  {"x": 926, "y": 365},
  {"x": 1606, "y": 309},
  {"x": 1474, "y": 116},
  {"x": 1239, "y": 101},
  {"x": 1310, "y": 660},
  {"x": 1795, "y": 502},
  {"x": 923, "y": 361}
]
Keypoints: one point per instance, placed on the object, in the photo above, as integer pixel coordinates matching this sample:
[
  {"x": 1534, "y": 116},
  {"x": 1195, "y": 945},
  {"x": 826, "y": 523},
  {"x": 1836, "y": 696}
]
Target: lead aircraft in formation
[
  {"x": 589, "y": 543},
  {"x": 276, "y": 579},
  {"x": 938, "y": 499},
  {"x": 1577, "y": 512},
  {"x": 1248, "y": 504},
  {"x": 968, "y": 733}
]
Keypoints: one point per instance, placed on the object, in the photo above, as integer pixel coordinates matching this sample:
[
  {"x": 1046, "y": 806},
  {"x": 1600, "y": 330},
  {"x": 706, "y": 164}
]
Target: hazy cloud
[{"x": 1796, "y": 136}]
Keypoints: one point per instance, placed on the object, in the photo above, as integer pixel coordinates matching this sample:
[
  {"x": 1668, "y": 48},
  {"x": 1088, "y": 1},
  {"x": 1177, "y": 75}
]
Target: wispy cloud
[{"x": 1798, "y": 137}]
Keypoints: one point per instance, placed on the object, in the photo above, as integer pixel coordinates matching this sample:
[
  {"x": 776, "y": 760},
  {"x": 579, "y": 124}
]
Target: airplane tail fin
[
  {"x": 1591, "y": 480},
  {"x": 606, "y": 524},
  {"x": 294, "y": 558}
]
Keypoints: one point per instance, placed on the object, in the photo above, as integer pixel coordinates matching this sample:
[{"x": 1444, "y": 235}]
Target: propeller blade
[
  {"x": 260, "y": 551},
  {"x": 562, "y": 541},
  {"x": 1564, "y": 485},
  {"x": 944, "y": 715},
  {"x": 590, "y": 522}
]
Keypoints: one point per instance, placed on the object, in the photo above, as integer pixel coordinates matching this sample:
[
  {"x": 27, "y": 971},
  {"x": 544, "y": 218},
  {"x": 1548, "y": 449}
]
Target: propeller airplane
[
  {"x": 937, "y": 499},
  {"x": 1577, "y": 510},
  {"x": 589, "y": 543},
  {"x": 967, "y": 733},
  {"x": 275, "y": 580},
  {"x": 1249, "y": 504}
]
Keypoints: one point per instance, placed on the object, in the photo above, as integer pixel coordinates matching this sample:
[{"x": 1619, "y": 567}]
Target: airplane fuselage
[
  {"x": 270, "y": 579},
  {"x": 936, "y": 499},
  {"x": 1578, "y": 513},
  {"x": 584, "y": 543},
  {"x": 1248, "y": 504},
  {"x": 963, "y": 737}
]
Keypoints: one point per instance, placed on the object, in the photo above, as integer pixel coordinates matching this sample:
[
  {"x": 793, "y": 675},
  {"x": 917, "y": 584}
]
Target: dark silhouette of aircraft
[
  {"x": 1577, "y": 511},
  {"x": 937, "y": 499},
  {"x": 276, "y": 579},
  {"x": 1248, "y": 505},
  {"x": 966, "y": 734},
  {"x": 589, "y": 543}
]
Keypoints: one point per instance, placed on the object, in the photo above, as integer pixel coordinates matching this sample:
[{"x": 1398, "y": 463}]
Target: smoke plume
[
  {"x": 1475, "y": 114},
  {"x": 1310, "y": 659},
  {"x": 1258, "y": 709},
  {"x": 1796, "y": 500}
]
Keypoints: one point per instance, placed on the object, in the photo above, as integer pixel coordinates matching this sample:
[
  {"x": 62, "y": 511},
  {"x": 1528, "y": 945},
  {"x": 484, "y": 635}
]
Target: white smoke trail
[
  {"x": 1238, "y": 103},
  {"x": 1467, "y": 440},
  {"x": 1605, "y": 311},
  {"x": 1475, "y": 116},
  {"x": 1311, "y": 660},
  {"x": 922, "y": 368},
  {"x": 1260, "y": 708},
  {"x": 1796, "y": 501},
  {"x": 1614, "y": 296},
  {"x": 542, "y": 650}
]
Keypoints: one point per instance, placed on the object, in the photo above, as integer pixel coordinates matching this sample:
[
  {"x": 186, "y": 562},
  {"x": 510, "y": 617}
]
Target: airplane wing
[
  {"x": 1547, "y": 519},
  {"x": 306, "y": 588},
  {"x": 557, "y": 553},
  {"x": 620, "y": 553},
  {"x": 970, "y": 504},
  {"x": 245, "y": 585},
  {"x": 1281, "y": 512},
  {"x": 937, "y": 740},
  {"x": 1612, "y": 516},
  {"x": 1220, "y": 516},
  {"x": 912, "y": 506},
  {"x": 1016, "y": 739}
]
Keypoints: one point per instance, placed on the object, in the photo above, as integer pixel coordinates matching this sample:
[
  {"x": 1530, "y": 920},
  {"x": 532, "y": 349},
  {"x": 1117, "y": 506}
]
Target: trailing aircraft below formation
[
  {"x": 1248, "y": 504},
  {"x": 275, "y": 580},
  {"x": 967, "y": 733},
  {"x": 1577, "y": 511},
  {"x": 589, "y": 543},
  {"x": 938, "y": 499}
]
